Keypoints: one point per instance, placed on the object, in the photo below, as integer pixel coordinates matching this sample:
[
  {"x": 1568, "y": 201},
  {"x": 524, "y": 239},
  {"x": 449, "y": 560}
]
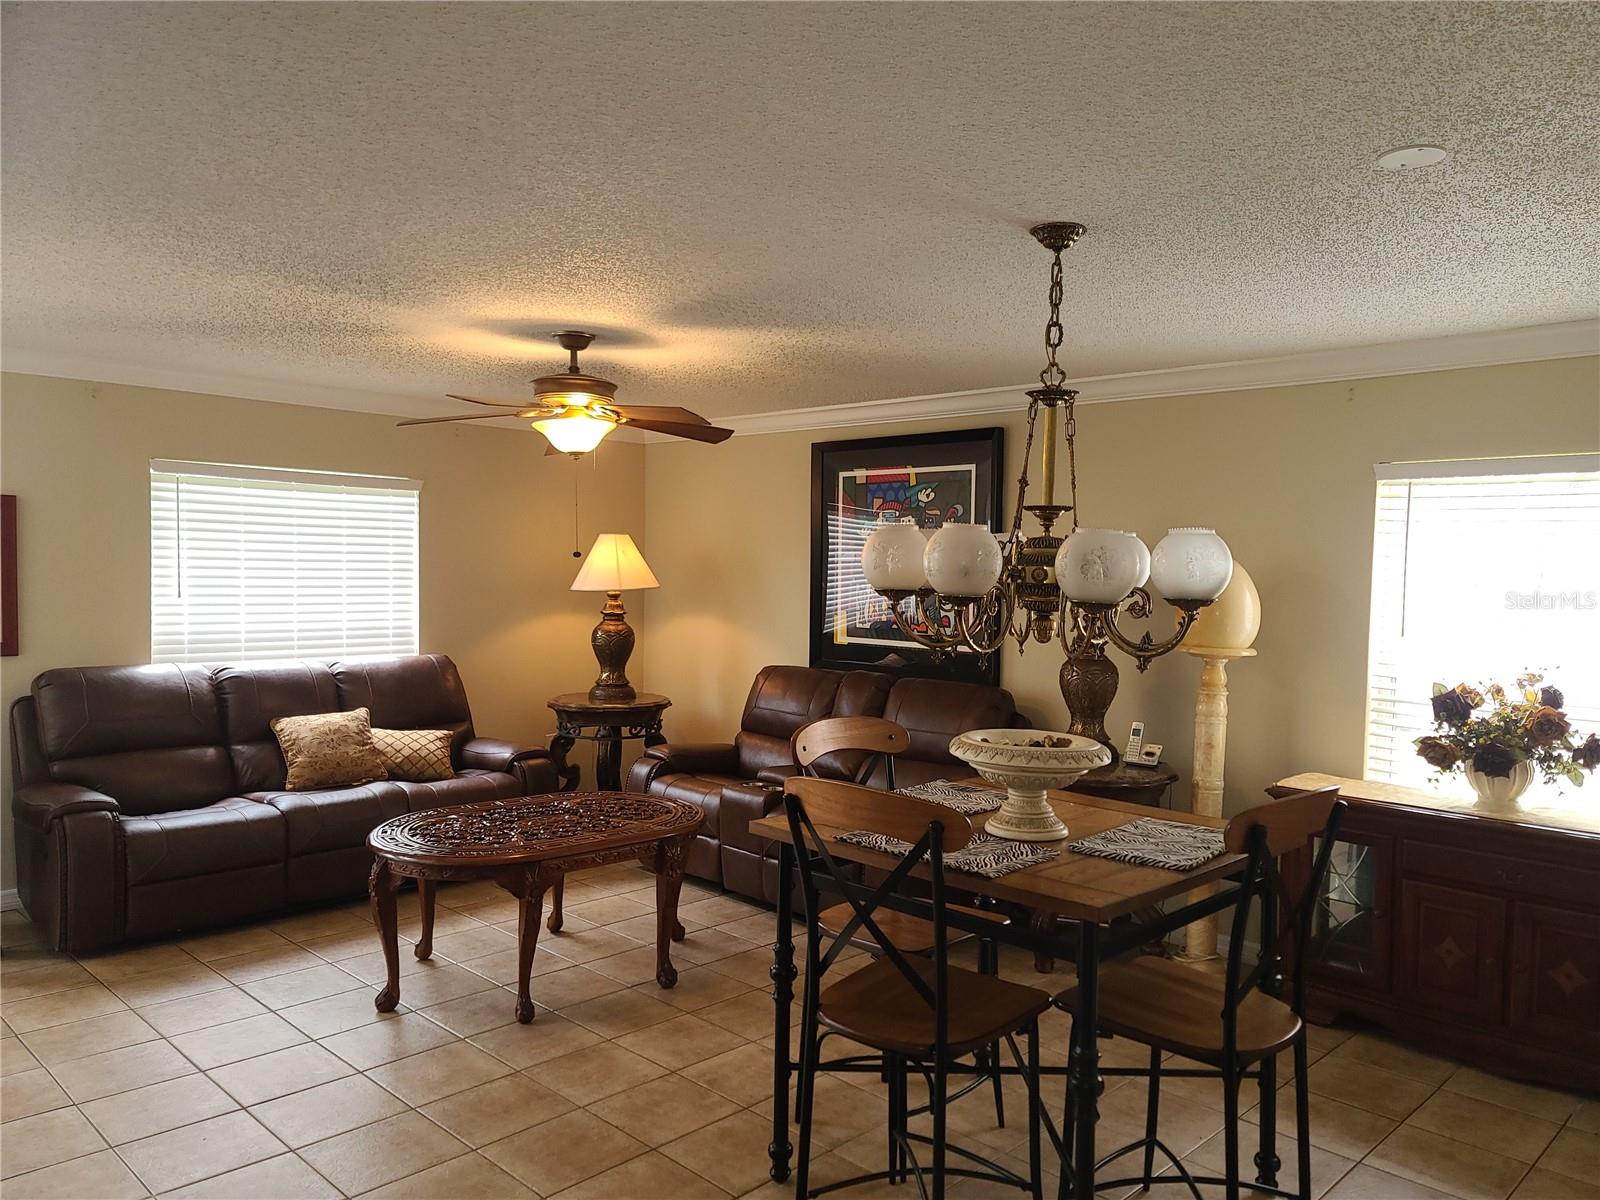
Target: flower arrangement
[{"x": 1527, "y": 726}]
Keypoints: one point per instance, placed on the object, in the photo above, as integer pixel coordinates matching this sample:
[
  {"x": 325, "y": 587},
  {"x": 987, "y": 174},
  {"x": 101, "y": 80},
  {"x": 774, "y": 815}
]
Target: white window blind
[
  {"x": 1480, "y": 571},
  {"x": 253, "y": 562}
]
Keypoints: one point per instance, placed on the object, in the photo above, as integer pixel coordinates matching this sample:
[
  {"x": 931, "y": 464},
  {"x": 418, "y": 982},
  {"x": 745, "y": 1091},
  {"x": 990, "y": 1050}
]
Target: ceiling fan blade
[
  {"x": 492, "y": 403},
  {"x": 695, "y": 433},
  {"x": 463, "y": 417},
  {"x": 652, "y": 412}
]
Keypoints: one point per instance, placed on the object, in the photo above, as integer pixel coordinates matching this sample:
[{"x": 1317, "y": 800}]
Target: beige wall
[
  {"x": 1285, "y": 474},
  {"x": 496, "y": 538}
]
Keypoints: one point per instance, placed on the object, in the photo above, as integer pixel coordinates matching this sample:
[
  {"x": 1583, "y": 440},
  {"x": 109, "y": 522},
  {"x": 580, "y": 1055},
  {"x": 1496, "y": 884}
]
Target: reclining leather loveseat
[
  {"x": 150, "y": 800},
  {"x": 737, "y": 782}
]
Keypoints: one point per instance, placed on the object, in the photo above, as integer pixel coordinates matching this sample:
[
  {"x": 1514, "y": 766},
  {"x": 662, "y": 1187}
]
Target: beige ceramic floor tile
[
  {"x": 1378, "y": 1051},
  {"x": 1587, "y": 1117},
  {"x": 280, "y": 1073},
  {"x": 473, "y": 941},
  {"x": 335, "y": 1014},
  {"x": 547, "y": 1036},
  {"x": 474, "y": 1014},
  {"x": 581, "y": 946},
  {"x": 732, "y": 1153},
  {"x": 263, "y": 964},
  {"x": 230, "y": 943},
  {"x": 697, "y": 989},
  {"x": 650, "y": 1176},
  {"x": 236, "y": 1041},
  {"x": 1343, "y": 1128},
  {"x": 743, "y": 1075},
  {"x": 374, "y": 1155},
  {"x": 619, "y": 1013},
  {"x": 326, "y": 1110},
  {"x": 573, "y": 985},
  {"x": 749, "y": 1014},
  {"x": 596, "y": 1072},
  {"x": 124, "y": 964},
  {"x": 501, "y": 969},
  {"x": 157, "y": 987},
  {"x": 63, "y": 1043},
  {"x": 470, "y": 1175},
  {"x": 663, "y": 1109},
  {"x": 27, "y": 1093},
  {"x": 710, "y": 946},
  {"x": 15, "y": 1058},
  {"x": 630, "y": 968},
  {"x": 336, "y": 947},
  {"x": 158, "y": 1107},
  {"x": 121, "y": 1070},
  {"x": 1327, "y": 1168},
  {"x": 1368, "y": 1183},
  {"x": 443, "y": 1071},
  {"x": 1479, "y": 1123},
  {"x": 101, "y": 1176},
  {"x": 681, "y": 1042},
  {"x": 753, "y": 967},
  {"x": 1574, "y": 1153},
  {"x": 61, "y": 1008},
  {"x": 302, "y": 987},
  {"x": 201, "y": 1012},
  {"x": 1470, "y": 1172},
  {"x": 285, "y": 1177},
  {"x": 369, "y": 1046},
  {"x": 46, "y": 1139},
  {"x": 718, "y": 910},
  {"x": 496, "y": 1109},
  {"x": 195, "y": 1152},
  {"x": 441, "y": 981},
  {"x": 42, "y": 980},
  {"x": 1540, "y": 1184},
  {"x": 322, "y": 924},
  {"x": 562, "y": 1151},
  {"x": 1548, "y": 1103},
  {"x": 1365, "y": 1086}
]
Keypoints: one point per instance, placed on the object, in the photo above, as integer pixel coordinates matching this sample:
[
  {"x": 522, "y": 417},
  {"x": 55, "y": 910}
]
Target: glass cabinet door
[{"x": 1350, "y": 925}]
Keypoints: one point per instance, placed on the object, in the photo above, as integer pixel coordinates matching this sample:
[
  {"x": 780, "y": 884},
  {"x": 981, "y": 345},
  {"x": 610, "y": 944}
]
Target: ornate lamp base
[
  {"x": 1026, "y": 817},
  {"x": 612, "y": 641}
]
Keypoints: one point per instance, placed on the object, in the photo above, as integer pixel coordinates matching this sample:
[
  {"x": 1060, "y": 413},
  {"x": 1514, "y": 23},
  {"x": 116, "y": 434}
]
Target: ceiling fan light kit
[{"x": 575, "y": 412}]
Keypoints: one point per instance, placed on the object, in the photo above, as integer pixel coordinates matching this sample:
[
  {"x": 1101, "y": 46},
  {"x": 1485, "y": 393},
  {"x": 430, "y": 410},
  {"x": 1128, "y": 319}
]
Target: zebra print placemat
[
  {"x": 1150, "y": 842},
  {"x": 962, "y": 797},
  {"x": 988, "y": 856}
]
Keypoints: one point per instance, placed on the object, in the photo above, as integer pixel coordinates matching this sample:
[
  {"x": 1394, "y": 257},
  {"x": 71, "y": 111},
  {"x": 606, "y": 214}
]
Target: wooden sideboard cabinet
[{"x": 1474, "y": 933}]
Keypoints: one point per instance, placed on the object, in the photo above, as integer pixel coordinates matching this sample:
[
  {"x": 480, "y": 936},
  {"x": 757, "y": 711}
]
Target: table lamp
[{"x": 614, "y": 566}]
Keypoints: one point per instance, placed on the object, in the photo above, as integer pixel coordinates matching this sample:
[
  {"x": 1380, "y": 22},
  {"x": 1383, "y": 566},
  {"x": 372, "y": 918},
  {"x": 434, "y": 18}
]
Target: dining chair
[
  {"x": 867, "y": 740},
  {"x": 913, "y": 1010},
  {"x": 1237, "y": 1021}
]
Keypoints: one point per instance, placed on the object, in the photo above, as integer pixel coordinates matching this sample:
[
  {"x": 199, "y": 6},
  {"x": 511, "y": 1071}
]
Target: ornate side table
[
  {"x": 606, "y": 723},
  {"x": 527, "y": 846}
]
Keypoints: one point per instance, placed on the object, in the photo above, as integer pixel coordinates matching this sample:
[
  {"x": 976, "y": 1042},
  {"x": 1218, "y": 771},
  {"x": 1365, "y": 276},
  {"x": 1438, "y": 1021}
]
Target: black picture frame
[{"x": 841, "y": 638}]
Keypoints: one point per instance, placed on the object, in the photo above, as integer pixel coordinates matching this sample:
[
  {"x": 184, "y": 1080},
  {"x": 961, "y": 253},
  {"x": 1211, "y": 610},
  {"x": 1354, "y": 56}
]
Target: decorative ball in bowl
[{"x": 1027, "y": 763}]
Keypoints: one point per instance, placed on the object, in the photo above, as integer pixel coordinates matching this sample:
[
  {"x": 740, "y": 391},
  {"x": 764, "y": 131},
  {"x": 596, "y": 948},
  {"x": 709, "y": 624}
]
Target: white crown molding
[{"x": 1530, "y": 343}]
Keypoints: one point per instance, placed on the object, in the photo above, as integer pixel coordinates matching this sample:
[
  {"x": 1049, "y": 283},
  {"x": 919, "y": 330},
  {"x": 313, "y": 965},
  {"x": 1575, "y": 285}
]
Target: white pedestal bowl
[{"x": 1004, "y": 757}]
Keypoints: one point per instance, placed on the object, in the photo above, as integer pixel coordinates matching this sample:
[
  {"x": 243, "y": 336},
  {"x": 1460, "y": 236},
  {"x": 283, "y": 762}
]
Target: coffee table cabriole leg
[
  {"x": 557, "y": 895},
  {"x": 425, "y": 899},
  {"x": 667, "y": 861},
  {"x": 381, "y": 886},
  {"x": 530, "y": 903}
]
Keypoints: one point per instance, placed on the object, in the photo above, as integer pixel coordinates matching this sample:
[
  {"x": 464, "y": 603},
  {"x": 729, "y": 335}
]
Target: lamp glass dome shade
[
  {"x": 1231, "y": 624},
  {"x": 962, "y": 561},
  {"x": 1101, "y": 566},
  {"x": 614, "y": 564},
  {"x": 1191, "y": 564},
  {"x": 574, "y": 431},
  {"x": 891, "y": 558}
]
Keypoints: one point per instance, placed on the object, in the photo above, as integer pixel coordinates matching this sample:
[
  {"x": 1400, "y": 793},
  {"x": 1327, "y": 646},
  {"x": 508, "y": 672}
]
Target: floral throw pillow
[
  {"x": 415, "y": 755},
  {"x": 325, "y": 750}
]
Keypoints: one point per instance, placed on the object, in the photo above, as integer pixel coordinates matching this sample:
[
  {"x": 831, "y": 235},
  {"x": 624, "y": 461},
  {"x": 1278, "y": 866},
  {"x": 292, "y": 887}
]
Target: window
[
  {"x": 1480, "y": 570},
  {"x": 251, "y": 562}
]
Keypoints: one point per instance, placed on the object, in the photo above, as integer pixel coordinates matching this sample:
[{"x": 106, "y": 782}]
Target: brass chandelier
[{"x": 964, "y": 588}]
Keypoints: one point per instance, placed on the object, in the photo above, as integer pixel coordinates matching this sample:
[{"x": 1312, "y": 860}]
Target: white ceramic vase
[
  {"x": 1500, "y": 791},
  {"x": 1003, "y": 756}
]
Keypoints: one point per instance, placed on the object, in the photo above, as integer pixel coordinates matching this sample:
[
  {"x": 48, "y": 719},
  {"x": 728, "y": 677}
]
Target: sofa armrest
[
  {"x": 684, "y": 758},
  {"x": 37, "y": 805},
  {"x": 493, "y": 754}
]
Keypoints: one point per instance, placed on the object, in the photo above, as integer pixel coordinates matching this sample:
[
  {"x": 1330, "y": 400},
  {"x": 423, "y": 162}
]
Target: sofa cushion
[
  {"x": 152, "y": 781},
  {"x": 469, "y": 787},
  {"x": 702, "y": 790},
  {"x": 415, "y": 755},
  {"x": 229, "y": 835},
  {"x": 251, "y": 698},
  {"x": 421, "y": 691},
  {"x": 324, "y": 750},
  {"x": 336, "y": 818}
]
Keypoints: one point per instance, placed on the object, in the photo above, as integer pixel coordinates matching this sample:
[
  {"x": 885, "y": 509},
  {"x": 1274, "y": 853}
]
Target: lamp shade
[
  {"x": 1191, "y": 564},
  {"x": 962, "y": 561},
  {"x": 1231, "y": 624},
  {"x": 1101, "y": 566},
  {"x": 614, "y": 565},
  {"x": 891, "y": 557},
  {"x": 575, "y": 432}
]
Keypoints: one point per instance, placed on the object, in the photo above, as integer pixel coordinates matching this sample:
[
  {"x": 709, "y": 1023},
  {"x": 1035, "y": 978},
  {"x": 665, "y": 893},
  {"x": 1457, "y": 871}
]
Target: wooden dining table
[{"x": 1112, "y": 907}]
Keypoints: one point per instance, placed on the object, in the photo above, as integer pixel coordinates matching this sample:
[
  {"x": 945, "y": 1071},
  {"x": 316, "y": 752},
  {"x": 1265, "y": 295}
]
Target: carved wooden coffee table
[{"x": 527, "y": 846}]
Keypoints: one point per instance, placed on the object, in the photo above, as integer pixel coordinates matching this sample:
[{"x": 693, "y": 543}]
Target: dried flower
[
  {"x": 1471, "y": 695},
  {"x": 1551, "y": 697},
  {"x": 1437, "y": 752},
  {"x": 1544, "y": 726},
  {"x": 1495, "y": 760},
  {"x": 1451, "y": 708},
  {"x": 1587, "y": 755}
]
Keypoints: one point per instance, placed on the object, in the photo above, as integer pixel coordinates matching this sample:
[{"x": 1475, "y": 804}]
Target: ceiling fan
[{"x": 575, "y": 411}]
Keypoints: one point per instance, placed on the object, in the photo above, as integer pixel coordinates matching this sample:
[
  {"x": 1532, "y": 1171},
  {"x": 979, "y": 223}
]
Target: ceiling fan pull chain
[{"x": 577, "y": 541}]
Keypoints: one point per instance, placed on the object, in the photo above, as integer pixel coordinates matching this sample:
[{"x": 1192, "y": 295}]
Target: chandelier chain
[{"x": 1053, "y": 376}]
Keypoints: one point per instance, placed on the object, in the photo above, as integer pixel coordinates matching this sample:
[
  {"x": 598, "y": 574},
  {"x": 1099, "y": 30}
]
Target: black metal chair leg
[
  {"x": 1302, "y": 1117},
  {"x": 809, "y": 1052},
  {"x": 1267, "y": 1160},
  {"x": 1230, "y": 1126},
  {"x": 938, "y": 1100},
  {"x": 1152, "y": 1113},
  {"x": 1065, "y": 1188},
  {"x": 1035, "y": 1172}
]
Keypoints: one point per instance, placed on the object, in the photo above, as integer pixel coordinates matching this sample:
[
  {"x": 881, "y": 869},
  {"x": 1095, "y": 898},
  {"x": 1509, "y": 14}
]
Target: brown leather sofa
[
  {"x": 150, "y": 800},
  {"x": 741, "y": 781}
]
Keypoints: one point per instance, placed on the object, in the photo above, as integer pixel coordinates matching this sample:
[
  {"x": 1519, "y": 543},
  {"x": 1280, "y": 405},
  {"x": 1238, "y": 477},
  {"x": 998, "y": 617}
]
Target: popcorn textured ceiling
[{"x": 764, "y": 206}]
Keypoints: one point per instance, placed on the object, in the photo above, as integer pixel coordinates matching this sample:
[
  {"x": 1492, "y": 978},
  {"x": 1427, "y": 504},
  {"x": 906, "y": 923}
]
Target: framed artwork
[
  {"x": 932, "y": 478},
  {"x": 8, "y": 577}
]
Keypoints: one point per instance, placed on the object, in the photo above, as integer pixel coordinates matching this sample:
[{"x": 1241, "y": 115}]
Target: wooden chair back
[
  {"x": 931, "y": 830},
  {"x": 1265, "y": 834},
  {"x": 868, "y": 735}
]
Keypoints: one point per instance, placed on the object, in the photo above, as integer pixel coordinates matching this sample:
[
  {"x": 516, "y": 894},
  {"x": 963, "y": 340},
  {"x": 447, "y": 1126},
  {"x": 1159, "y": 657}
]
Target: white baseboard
[{"x": 8, "y": 900}]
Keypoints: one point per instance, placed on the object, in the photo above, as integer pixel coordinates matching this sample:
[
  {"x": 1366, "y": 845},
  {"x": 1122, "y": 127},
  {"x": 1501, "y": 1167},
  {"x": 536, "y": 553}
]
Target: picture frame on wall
[
  {"x": 933, "y": 478},
  {"x": 10, "y": 646}
]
